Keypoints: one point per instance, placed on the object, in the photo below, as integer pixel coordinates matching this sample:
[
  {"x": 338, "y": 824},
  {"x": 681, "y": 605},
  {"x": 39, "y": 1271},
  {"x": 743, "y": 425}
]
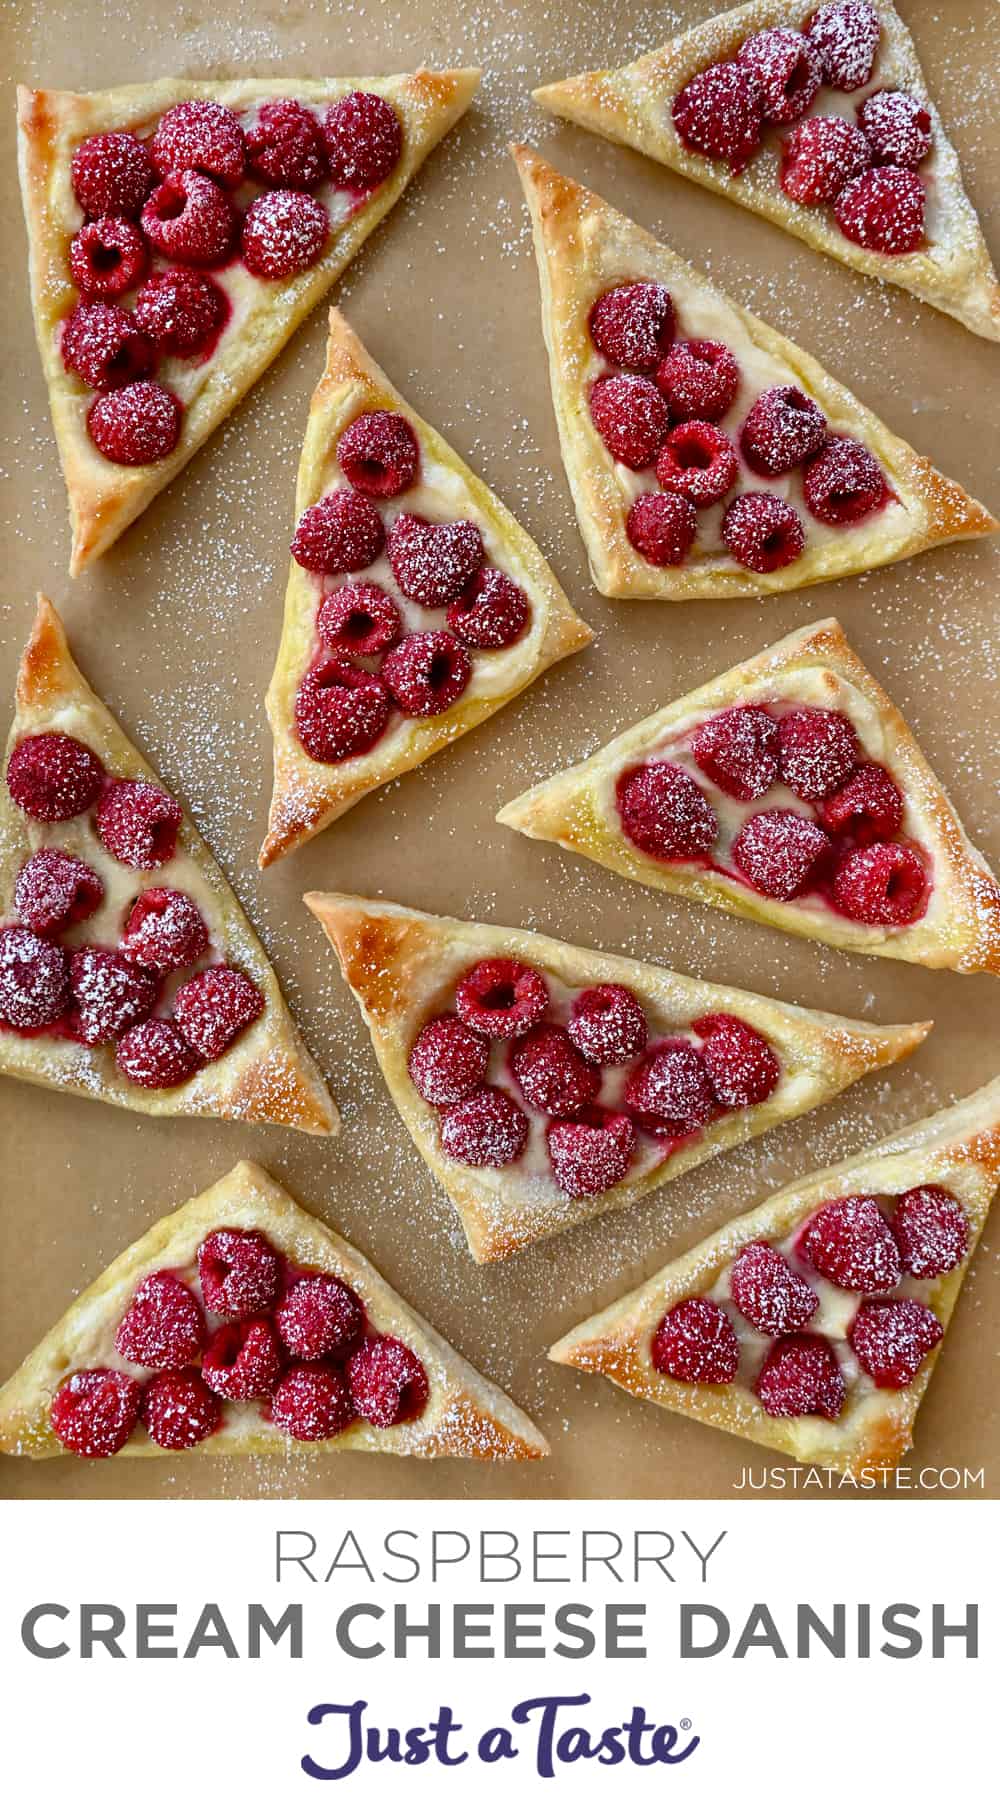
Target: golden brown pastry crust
[
  {"x": 105, "y": 498},
  {"x": 267, "y": 1076},
  {"x": 633, "y": 106},
  {"x": 585, "y": 247},
  {"x": 958, "y": 1149},
  {"x": 307, "y": 795},
  {"x": 960, "y": 930},
  {"x": 466, "y": 1416},
  {"x": 402, "y": 966}
]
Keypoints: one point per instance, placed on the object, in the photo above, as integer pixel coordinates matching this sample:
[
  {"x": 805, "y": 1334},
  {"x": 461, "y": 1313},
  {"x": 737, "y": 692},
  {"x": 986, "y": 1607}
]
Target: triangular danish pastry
[
  {"x": 544, "y": 1083},
  {"x": 708, "y": 456},
  {"x": 128, "y": 971},
  {"x": 215, "y": 215},
  {"x": 242, "y": 1325},
  {"x": 812, "y": 1324},
  {"x": 823, "y": 124},
  {"x": 792, "y": 791},
  {"x": 402, "y": 560}
]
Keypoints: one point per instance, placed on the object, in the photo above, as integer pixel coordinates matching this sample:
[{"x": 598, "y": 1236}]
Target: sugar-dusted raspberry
[
  {"x": 53, "y": 777},
  {"x": 138, "y": 823},
  {"x": 387, "y": 1381},
  {"x": 94, "y": 1412},
  {"x": 181, "y": 310},
  {"x": 164, "y": 930},
  {"x": 670, "y": 1093},
  {"x": 769, "y": 1292},
  {"x": 607, "y": 1025},
  {"x": 931, "y": 1230},
  {"x": 801, "y": 1376},
  {"x": 698, "y": 461},
  {"x": 820, "y": 155},
  {"x": 720, "y": 113},
  {"x": 492, "y": 612},
  {"x": 818, "y": 752},
  {"x": 364, "y": 140},
  {"x": 379, "y": 453},
  {"x": 787, "y": 66},
  {"x": 699, "y": 380},
  {"x": 897, "y": 127},
  {"x": 163, "y": 1326},
  {"x": 104, "y": 345},
  {"x": 340, "y": 711},
  {"x": 214, "y": 1007},
  {"x": 188, "y": 217},
  {"x": 846, "y": 38},
  {"x": 179, "y": 1409},
  {"x": 762, "y": 532},
  {"x": 112, "y": 174},
  {"x": 320, "y": 1316},
  {"x": 783, "y": 429},
  {"x": 240, "y": 1273},
  {"x": 34, "y": 980},
  {"x": 881, "y": 884},
  {"x": 738, "y": 750},
  {"x": 630, "y": 417},
  {"x": 844, "y": 482},
  {"x": 54, "y": 889},
  {"x": 633, "y": 325},
  {"x": 891, "y": 1338},
  {"x": 883, "y": 210},
  {"x": 107, "y": 257},
  {"x": 243, "y": 1362},
  {"x": 487, "y": 1130},
  {"x": 427, "y": 673},
  {"x": 552, "y": 1076},
  {"x": 312, "y": 1401},
  {"x": 359, "y": 619},
  {"x": 284, "y": 146},
  {"x": 592, "y": 1153},
  {"x": 867, "y": 808},
  {"x": 849, "y": 1242},
  {"x": 110, "y": 994},
  {"x": 343, "y": 531},
  {"x": 448, "y": 1060},
  {"x": 284, "y": 231},
  {"x": 155, "y": 1055},
  {"x": 137, "y": 425},
  {"x": 742, "y": 1067},
  {"x": 662, "y": 527},
  {"x": 664, "y": 812},
  {"x": 695, "y": 1342},
  {"x": 781, "y": 853},
  {"x": 500, "y": 998},
  {"x": 202, "y": 136},
  {"x": 434, "y": 563}
]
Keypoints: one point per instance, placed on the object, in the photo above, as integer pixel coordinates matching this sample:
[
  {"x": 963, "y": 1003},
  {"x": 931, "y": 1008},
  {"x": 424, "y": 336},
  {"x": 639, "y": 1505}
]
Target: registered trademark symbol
[{"x": 685, "y": 1723}]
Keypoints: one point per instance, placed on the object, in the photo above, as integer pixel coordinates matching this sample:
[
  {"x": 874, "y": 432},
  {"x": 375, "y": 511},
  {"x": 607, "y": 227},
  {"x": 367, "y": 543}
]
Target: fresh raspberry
[
  {"x": 662, "y": 527},
  {"x": 155, "y": 1055},
  {"x": 359, "y": 619},
  {"x": 844, "y": 482},
  {"x": 820, "y": 156},
  {"x": 780, "y": 853},
  {"x": 181, "y": 310},
  {"x": 243, "y": 1362},
  {"x": 53, "y": 890},
  {"x": 869, "y": 807},
  {"x": 364, "y": 140},
  {"x": 162, "y": 1327},
  {"x": 699, "y": 380},
  {"x": 137, "y": 425},
  {"x": 388, "y": 1383},
  {"x": 107, "y": 257},
  {"x": 379, "y": 453},
  {"x": 881, "y": 884},
  {"x": 846, "y": 38},
  {"x": 340, "y": 711},
  {"x": 427, "y": 673},
  {"x": 891, "y": 1338},
  {"x": 492, "y": 612},
  {"x": 34, "y": 980},
  {"x": 698, "y": 461},
  {"x": 897, "y": 127},
  {"x": 818, "y": 752},
  {"x": 190, "y": 218},
  {"x": 783, "y": 429},
  {"x": 138, "y": 823},
  {"x": 670, "y": 1093},
  {"x": 284, "y": 231},
  {"x": 214, "y": 1007},
  {"x": 112, "y": 174},
  {"x": 742, "y": 1067},
  {"x": 434, "y": 563},
  {"x": 104, "y": 345},
  {"x": 630, "y": 417},
  {"x": 501, "y": 997},
  {"x": 801, "y": 1376},
  {"x": 720, "y": 112},
  {"x": 94, "y": 1411},
  {"x": 633, "y": 325},
  {"x": 769, "y": 1293},
  {"x": 179, "y": 1409},
  {"x": 340, "y": 533},
  {"x": 320, "y": 1316},
  {"x": 607, "y": 1025},
  {"x": 664, "y": 812},
  {"x": 738, "y": 751},
  {"x": 592, "y": 1154},
  {"x": 487, "y": 1130},
  {"x": 202, "y": 136},
  {"x": 762, "y": 532},
  {"x": 931, "y": 1230},
  {"x": 164, "y": 930},
  {"x": 110, "y": 994},
  {"x": 695, "y": 1342},
  {"x": 883, "y": 210},
  {"x": 552, "y": 1076},
  {"x": 312, "y": 1402},
  {"x": 787, "y": 66},
  {"x": 240, "y": 1273},
  {"x": 284, "y": 146},
  {"x": 448, "y": 1060},
  {"x": 849, "y": 1242}
]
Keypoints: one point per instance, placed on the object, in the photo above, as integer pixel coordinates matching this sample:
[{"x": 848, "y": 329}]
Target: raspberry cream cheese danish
[
  {"x": 178, "y": 233},
  {"x": 543, "y": 1083},
  {"x": 416, "y": 605},
  {"x": 817, "y": 117},
  {"x": 128, "y": 971},
  {"x": 708, "y": 456},
  {"x": 789, "y": 790},
  {"x": 242, "y": 1325},
  {"x": 812, "y": 1324}
]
